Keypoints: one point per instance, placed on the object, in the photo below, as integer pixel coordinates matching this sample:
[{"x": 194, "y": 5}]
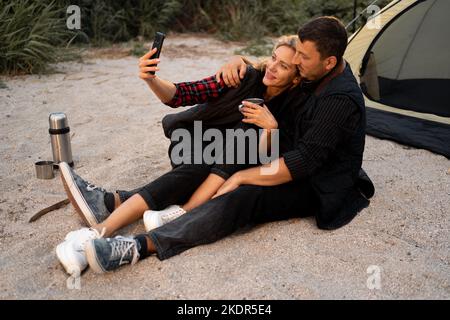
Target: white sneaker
[
  {"x": 71, "y": 252},
  {"x": 155, "y": 219}
]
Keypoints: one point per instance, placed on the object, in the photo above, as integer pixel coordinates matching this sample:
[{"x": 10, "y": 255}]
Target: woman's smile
[{"x": 270, "y": 76}]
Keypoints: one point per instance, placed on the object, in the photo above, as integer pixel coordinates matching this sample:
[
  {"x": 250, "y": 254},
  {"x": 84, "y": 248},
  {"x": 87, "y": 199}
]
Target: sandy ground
[{"x": 118, "y": 142}]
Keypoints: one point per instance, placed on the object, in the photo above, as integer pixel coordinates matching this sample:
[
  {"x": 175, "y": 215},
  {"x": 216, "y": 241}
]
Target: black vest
[{"x": 341, "y": 186}]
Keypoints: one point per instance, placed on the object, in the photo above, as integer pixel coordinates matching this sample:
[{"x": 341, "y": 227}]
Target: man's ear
[{"x": 330, "y": 63}]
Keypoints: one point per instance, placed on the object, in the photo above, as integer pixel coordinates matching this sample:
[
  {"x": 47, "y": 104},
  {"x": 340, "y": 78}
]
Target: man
[{"x": 318, "y": 173}]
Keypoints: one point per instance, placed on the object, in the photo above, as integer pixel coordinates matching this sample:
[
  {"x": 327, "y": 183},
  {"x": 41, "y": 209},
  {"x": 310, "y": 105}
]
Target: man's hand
[
  {"x": 229, "y": 185},
  {"x": 257, "y": 115},
  {"x": 144, "y": 66},
  {"x": 232, "y": 72}
]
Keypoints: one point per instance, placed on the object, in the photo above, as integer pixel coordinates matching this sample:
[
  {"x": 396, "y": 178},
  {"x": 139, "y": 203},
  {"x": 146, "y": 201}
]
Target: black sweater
[{"x": 336, "y": 119}]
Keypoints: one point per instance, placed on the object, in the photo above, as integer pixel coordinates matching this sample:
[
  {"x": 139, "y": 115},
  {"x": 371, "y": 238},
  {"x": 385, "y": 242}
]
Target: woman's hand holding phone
[
  {"x": 146, "y": 65},
  {"x": 163, "y": 89}
]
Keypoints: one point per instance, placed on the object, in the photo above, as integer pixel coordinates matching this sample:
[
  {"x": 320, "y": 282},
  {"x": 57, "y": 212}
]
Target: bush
[
  {"x": 33, "y": 33},
  {"x": 106, "y": 21},
  {"x": 31, "y": 36}
]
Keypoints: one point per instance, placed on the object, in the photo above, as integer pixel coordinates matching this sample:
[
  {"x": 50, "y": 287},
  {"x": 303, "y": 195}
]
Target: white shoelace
[
  {"x": 122, "y": 247},
  {"x": 171, "y": 215},
  {"x": 92, "y": 187},
  {"x": 92, "y": 235}
]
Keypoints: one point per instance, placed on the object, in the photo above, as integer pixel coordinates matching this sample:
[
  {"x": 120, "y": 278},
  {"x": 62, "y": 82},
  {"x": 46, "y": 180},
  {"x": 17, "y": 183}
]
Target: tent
[{"x": 401, "y": 59}]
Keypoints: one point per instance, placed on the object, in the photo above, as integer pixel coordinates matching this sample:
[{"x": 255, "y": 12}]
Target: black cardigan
[
  {"x": 328, "y": 148},
  {"x": 219, "y": 112}
]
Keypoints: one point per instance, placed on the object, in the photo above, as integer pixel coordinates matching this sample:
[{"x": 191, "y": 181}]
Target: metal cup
[
  {"x": 257, "y": 101},
  {"x": 44, "y": 169}
]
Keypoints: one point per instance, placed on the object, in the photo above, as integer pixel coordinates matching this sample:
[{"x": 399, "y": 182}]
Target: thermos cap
[{"x": 58, "y": 120}]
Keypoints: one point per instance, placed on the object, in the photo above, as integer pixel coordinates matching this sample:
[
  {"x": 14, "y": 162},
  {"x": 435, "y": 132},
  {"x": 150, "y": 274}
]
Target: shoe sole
[
  {"x": 91, "y": 256},
  {"x": 64, "y": 260},
  {"x": 75, "y": 196}
]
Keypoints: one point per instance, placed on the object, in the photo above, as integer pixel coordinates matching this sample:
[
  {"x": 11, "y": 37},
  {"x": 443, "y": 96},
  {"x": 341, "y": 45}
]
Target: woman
[
  {"x": 279, "y": 75},
  {"x": 202, "y": 182}
]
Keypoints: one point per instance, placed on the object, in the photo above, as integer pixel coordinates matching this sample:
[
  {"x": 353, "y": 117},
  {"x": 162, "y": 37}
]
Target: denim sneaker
[
  {"x": 108, "y": 254},
  {"x": 88, "y": 200}
]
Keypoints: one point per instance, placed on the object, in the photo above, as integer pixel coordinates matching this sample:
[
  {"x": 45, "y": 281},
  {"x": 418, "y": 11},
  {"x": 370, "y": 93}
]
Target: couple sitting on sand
[{"x": 310, "y": 96}]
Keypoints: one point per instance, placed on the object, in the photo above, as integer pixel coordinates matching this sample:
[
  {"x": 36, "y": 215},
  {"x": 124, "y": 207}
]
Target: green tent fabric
[{"x": 401, "y": 58}]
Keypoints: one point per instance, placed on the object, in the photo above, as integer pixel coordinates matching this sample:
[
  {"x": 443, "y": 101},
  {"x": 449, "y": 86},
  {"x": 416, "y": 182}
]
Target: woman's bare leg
[
  {"x": 126, "y": 213},
  {"x": 133, "y": 208},
  {"x": 204, "y": 192}
]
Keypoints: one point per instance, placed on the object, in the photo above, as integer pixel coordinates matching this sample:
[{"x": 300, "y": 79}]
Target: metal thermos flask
[{"x": 60, "y": 138}]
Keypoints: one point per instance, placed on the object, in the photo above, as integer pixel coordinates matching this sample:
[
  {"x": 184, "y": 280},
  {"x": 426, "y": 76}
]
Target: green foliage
[
  {"x": 33, "y": 33},
  {"x": 108, "y": 21},
  {"x": 105, "y": 21},
  {"x": 138, "y": 49},
  {"x": 242, "y": 20},
  {"x": 343, "y": 9},
  {"x": 31, "y": 36},
  {"x": 3, "y": 85},
  {"x": 261, "y": 47}
]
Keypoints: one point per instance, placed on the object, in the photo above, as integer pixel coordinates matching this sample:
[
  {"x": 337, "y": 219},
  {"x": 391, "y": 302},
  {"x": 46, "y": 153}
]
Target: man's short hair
[{"x": 328, "y": 34}]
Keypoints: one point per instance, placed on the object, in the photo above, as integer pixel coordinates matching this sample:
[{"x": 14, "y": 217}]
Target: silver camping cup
[
  {"x": 60, "y": 138},
  {"x": 257, "y": 101},
  {"x": 44, "y": 170}
]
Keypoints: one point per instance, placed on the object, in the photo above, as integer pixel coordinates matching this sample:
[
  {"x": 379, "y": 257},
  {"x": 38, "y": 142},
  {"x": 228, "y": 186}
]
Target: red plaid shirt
[{"x": 190, "y": 93}]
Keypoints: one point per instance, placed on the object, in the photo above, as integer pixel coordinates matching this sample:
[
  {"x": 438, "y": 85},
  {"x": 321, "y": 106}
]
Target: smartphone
[{"x": 157, "y": 43}]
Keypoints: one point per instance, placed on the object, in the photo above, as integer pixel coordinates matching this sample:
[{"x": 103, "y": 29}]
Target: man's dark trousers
[{"x": 221, "y": 216}]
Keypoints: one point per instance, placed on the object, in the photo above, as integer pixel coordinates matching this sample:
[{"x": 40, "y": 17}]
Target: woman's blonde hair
[{"x": 288, "y": 41}]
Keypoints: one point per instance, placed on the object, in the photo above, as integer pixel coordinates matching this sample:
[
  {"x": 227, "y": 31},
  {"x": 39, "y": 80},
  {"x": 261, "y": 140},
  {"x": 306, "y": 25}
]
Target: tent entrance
[{"x": 407, "y": 66}]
